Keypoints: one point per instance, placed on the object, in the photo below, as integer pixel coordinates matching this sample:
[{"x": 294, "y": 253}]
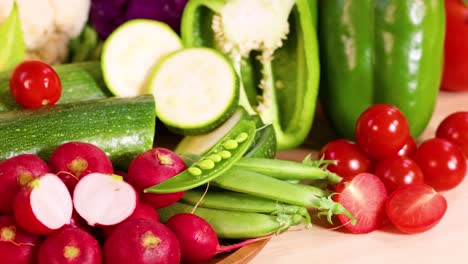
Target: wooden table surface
[{"x": 445, "y": 243}]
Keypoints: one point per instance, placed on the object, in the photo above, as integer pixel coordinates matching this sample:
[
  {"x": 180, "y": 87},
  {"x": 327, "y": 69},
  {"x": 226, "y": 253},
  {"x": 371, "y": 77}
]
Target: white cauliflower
[{"x": 48, "y": 25}]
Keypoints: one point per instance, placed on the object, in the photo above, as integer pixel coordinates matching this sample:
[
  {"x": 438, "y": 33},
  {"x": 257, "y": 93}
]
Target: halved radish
[
  {"x": 104, "y": 200},
  {"x": 16, "y": 245},
  {"x": 73, "y": 160},
  {"x": 43, "y": 205},
  {"x": 16, "y": 172}
]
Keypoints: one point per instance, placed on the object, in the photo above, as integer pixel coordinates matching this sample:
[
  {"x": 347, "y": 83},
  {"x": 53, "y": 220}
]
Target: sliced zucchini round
[
  {"x": 131, "y": 51},
  {"x": 195, "y": 90}
]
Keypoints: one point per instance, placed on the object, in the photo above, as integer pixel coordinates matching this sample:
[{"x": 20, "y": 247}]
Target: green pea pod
[
  {"x": 383, "y": 51},
  {"x": 236, "y": 225},
  {"x": 277, "y": 61}
]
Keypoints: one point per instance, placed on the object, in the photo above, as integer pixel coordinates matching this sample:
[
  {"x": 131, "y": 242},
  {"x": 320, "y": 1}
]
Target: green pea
[
  {"x": 242, "y": 137},
  {"x": 195, "y": 171},
  {"x": 215, "y": 157},
  {"x": 225, "y": 154},
  {"x": 230, "y": 144},
  {"x": 206, "y": 164}
]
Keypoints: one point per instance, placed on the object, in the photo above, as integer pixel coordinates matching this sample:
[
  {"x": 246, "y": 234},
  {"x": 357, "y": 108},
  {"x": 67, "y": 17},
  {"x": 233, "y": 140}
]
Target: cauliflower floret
[{"x": 48, "y": 25}]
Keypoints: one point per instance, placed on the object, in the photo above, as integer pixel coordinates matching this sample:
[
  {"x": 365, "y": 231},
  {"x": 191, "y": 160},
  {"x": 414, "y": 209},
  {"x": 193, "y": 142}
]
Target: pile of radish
[
  {"x": 389, "y": 178},
  {"x": 76, "y": 209}
]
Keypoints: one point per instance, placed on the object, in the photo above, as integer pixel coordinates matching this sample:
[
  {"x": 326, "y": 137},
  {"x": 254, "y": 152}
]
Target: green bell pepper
[
  {"x": 273, "y": 46},
  {"x": 382, "y": 51}
]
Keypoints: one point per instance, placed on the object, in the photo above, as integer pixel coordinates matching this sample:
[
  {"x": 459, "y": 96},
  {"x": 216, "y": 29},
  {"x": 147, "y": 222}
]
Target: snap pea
[
  {"x": 244, "y": 181},
  {"x": 208, "y": 168},
  {"x": 236, "y": 225},
  {"x": 287, "y": 170},
  {"x": 234, "y": 201}
]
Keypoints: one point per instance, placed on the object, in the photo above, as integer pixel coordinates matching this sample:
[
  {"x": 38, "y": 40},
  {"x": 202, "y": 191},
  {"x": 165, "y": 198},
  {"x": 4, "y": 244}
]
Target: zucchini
[
  {"x": 121, "y": 127},
  {"x": 80, "y": 81},
  {"x": 196, "y": 90}
]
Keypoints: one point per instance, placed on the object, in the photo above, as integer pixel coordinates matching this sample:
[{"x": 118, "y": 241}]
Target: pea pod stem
[{"x": 236, "y": 225}]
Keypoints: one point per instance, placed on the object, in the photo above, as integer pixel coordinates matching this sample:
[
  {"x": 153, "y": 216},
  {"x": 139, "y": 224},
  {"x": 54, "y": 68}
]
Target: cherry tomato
[
  {"x": 364, "y": 196},
  {"x": 455, "y": 128},
  {"x": 415, "y": 208},
  {"x": 381, "y": 131},
  {"x": 441, "y": 162},
  {"x": 397, "y": 171},
  {"x": 455, "y": 75},
  {"x": 35, "y": 84},
  {"x": 408, "y": 149},
  {"x": 350, "y": 159}
]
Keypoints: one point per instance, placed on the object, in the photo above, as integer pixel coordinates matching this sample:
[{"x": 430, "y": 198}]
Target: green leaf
[{"x": 12, "y": 46}]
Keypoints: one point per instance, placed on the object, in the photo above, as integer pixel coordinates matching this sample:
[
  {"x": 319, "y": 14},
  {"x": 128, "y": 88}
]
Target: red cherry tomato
[
  {"x": 415, "y": 208},
  {"x": 455, "y": 76},
  {"x": 381, "y": 131},
  {"x": 455, "y": 128},
  {"x": 364, "y": 196},
  {"x": 441, "y": 162},
  {"x": 350, "y": 159},
  {"x": 397, "y": 171},
  {"x": 408, "y": 149},
  {"x": 35, "y": 84}
]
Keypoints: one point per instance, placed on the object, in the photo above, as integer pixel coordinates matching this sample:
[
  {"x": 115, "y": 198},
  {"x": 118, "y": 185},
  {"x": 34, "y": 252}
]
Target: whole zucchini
[{"x": 121, "y": 127}]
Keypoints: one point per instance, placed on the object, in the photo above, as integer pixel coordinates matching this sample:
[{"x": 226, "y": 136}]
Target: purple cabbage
[{"x": 106, "y": 15}]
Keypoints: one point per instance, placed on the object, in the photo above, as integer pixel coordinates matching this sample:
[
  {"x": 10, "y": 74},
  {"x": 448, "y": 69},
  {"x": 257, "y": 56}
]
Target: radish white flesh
[
  {"x": 103, "y": 199},
  {"x": 51, "y": 202}
]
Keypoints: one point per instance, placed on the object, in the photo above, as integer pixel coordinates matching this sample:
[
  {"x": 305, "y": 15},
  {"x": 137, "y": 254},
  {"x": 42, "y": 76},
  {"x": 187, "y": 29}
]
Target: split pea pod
[
  {"x": 234, "y": 201},
  {"x": 233, "y": 224},
  {"x": 215, "y": 162},
  {"x": 287, "y": 170},
  {"x": 253, "y": 183}
]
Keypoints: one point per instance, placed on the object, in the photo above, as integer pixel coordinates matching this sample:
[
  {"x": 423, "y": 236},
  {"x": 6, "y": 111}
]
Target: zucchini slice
[{"x": 195, "y": 90}]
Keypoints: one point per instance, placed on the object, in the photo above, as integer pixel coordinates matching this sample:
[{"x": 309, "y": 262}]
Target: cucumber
[
  {"x": 121, "y": 127},
  {"x": 131, "y": 51},
  {"x": 195, "y": 90},
  {"x": 80, "y": 81}
]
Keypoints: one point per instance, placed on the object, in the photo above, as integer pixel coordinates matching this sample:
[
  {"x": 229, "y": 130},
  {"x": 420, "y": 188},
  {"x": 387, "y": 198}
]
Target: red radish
[
  {"x": 364, "y": 196},
  {"x": 17, "y": 246},
  {"x": 73, "y": 160},
  {"x": 415, "y": 208},
  {"x": 104, "y": 200},
  {"x": 43, "y": 205},
  {"x": 141, "y": 241},
  {"x": 16, "y": 172},
  {"x": 197, "y": 238},
  {"x": 142, "y": 210},
  {"x": 70, "y": 245},
  {"x": 152, "y": 167}
]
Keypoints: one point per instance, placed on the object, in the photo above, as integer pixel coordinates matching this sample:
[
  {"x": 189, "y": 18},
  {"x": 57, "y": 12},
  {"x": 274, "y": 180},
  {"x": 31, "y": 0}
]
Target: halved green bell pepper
[
  {"x": 382, "y": 51},
  {"x": 274, "y": 48}
]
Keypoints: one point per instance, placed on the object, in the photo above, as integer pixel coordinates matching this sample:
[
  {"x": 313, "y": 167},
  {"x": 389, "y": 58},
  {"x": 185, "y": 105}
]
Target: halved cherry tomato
[
  {"x": 454, "y": 127},
  {"x": 35, "y": 84},
  {"x": 381, "y": 131},
  {"x": 415, "y": 208},
  {"x": 442, "y": 163},
  {"x": 397, "y": 171},
  {"x": 364, "y": 196},
  {"x": 350, "y": 159}
]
